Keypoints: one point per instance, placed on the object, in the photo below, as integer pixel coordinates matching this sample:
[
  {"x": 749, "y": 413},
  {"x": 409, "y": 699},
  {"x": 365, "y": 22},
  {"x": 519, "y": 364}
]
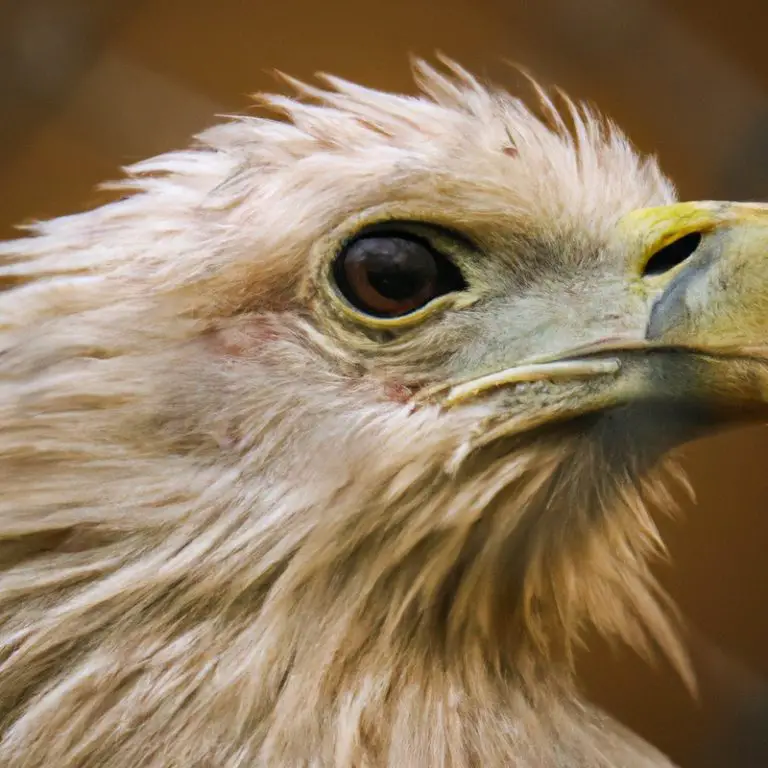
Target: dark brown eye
[{"x": 390, "y": 276}]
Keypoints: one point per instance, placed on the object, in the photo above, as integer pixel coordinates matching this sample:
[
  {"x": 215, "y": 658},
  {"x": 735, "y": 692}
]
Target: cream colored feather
[{"x": 229, "y": 538}]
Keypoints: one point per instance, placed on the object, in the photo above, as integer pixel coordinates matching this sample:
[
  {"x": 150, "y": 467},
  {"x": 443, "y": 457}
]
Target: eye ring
[{"x": 391, "y": 275}]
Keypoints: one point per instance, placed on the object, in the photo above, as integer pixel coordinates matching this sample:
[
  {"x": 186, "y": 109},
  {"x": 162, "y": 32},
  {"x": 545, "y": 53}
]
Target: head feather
[{"x": 215, "y": 525}]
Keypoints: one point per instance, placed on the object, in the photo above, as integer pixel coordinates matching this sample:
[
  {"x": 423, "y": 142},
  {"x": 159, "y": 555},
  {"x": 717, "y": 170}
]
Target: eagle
[{"x": 326, "y": 441}]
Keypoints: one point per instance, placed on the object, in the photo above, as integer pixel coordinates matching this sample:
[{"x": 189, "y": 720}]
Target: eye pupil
[
  {"x": 389, "y": 276},
  {"x": 397, "y": 268},
  {"x": 395, "y": 285}
]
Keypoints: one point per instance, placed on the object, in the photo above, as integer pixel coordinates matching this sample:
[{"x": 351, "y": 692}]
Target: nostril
[{"x": 672, "y": 255}]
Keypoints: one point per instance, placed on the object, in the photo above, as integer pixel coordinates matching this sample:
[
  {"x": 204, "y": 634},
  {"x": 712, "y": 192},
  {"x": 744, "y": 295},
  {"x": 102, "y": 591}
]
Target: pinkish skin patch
[
  {"x": 397, "y": 392},
  {"x": 241, "y": 340},
  {"x": 225, "y": 438}
]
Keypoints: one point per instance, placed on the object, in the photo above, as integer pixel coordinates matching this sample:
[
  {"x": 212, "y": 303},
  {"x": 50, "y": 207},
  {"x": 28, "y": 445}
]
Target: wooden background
[{"x": 89, "y": 85}]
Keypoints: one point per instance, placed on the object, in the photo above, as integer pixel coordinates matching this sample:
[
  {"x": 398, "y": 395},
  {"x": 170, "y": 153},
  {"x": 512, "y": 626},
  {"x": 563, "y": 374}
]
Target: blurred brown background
[{"x": 89, "y": 85}]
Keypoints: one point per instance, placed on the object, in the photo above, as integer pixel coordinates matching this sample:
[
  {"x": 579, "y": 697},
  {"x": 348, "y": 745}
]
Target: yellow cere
[{"x": 653, "y": 228}]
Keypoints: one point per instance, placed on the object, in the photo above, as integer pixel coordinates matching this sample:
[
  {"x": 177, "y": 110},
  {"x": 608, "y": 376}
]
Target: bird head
[{"x": 391, "y": 379}]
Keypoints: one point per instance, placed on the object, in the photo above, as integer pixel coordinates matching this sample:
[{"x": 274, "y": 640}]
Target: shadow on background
[{"x": 89, "y": 85}]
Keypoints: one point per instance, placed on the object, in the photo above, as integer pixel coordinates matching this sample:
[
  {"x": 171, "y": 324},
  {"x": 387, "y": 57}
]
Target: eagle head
[{"x": 324, "y": 444}]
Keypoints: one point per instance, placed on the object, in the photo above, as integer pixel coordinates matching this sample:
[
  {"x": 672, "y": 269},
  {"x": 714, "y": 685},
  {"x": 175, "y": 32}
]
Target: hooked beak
[
  {"x": 712, "y": 309},
  {"x": 705, "y": 350}
]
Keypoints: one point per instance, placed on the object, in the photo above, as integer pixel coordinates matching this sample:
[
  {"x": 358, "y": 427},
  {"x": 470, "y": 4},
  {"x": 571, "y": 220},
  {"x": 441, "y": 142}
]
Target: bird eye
[{"x": 390, "y": 276}]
